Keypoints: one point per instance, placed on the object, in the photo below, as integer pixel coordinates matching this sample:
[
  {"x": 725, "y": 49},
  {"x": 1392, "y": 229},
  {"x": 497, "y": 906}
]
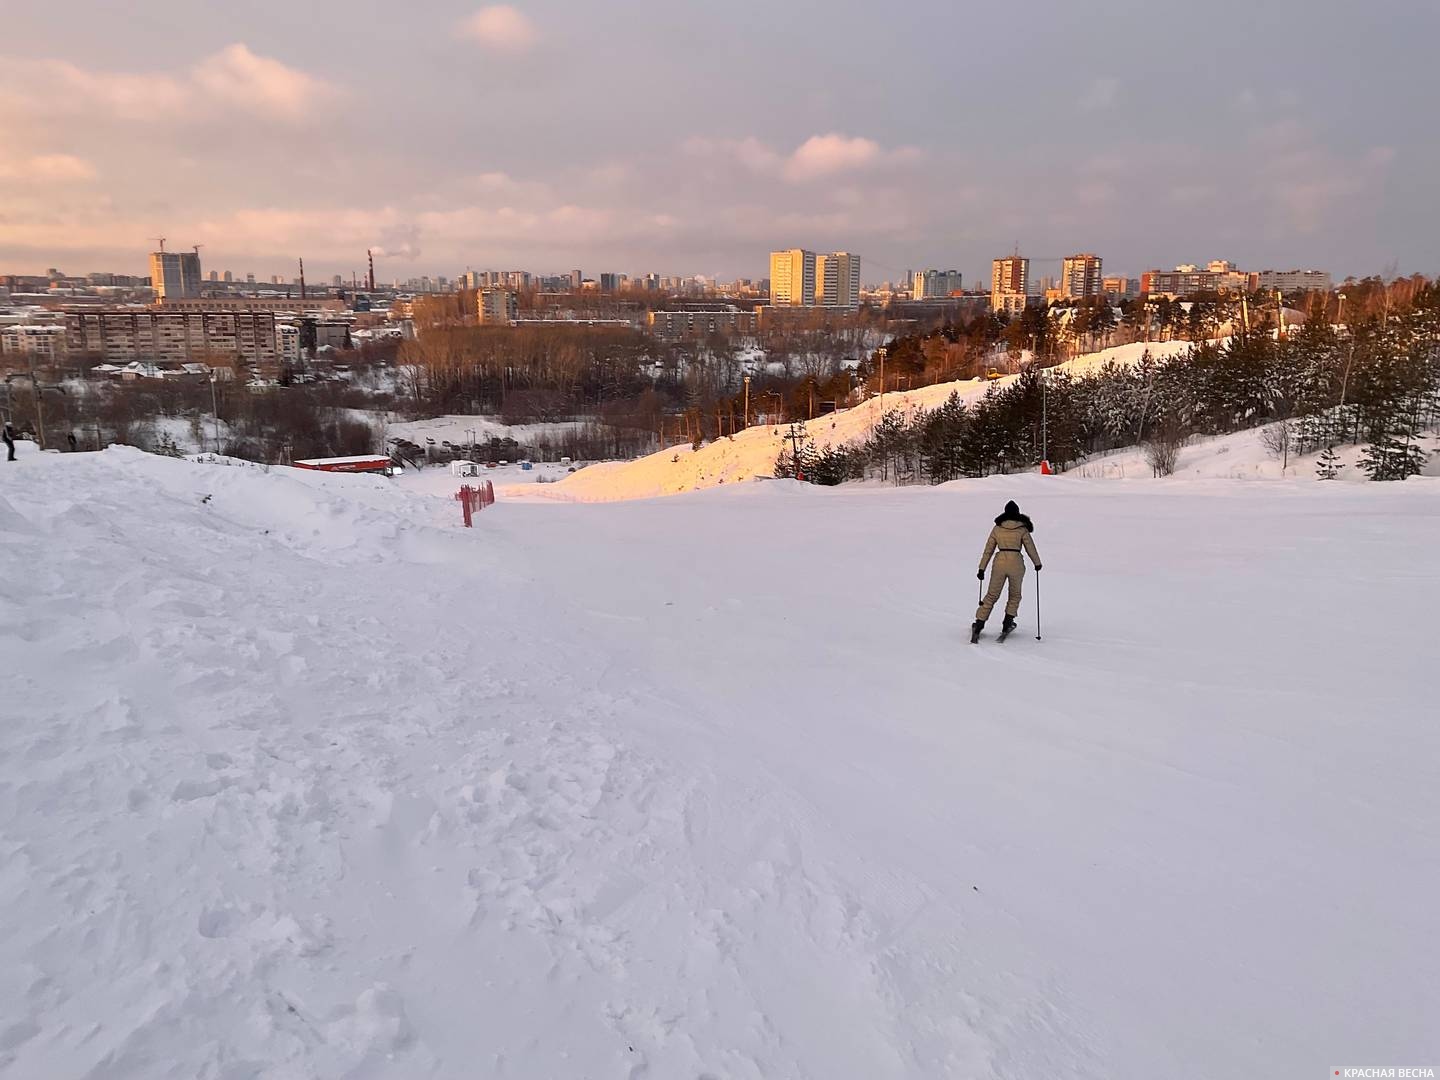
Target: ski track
[{"x": 304, "y": 782}]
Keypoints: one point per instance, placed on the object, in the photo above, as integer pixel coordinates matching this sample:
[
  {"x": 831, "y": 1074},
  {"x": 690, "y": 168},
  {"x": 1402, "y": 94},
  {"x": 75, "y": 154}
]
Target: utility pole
[
  {"x": 39, "y": 409},
  {"x": 882, "y": 385},
  {"x": 795, "y": 450},
  {"x": 1044, "y": 421},
  {"x": 215, "y": 408},
  {"x": 747, "y": 401},
  {"x": 38, "y": 390}
]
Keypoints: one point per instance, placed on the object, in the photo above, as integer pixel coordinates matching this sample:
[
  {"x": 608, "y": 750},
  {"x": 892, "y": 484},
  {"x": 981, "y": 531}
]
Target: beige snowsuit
[{"x": 1006, "y": 542}]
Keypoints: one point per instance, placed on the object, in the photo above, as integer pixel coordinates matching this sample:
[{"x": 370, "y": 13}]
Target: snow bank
[
  {"x": 301, "y": 779},
  {"x": 752, "y": 453}
]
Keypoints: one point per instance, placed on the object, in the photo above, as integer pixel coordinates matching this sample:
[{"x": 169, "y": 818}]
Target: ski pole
[{"x": 1037, "y": 605}]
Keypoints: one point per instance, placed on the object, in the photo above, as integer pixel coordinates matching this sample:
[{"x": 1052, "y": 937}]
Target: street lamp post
[
  {"x": 747, "y": 401},
  {"x": 1340, "y": 311}
]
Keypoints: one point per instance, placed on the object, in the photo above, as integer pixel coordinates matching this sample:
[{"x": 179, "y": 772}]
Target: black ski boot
[
  {"x": 975, "y": 628},
  {"x": 1006, "y": 627}
]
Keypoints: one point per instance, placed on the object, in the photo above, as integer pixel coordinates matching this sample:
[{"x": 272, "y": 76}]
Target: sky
[{"x": 688, "y": 138}]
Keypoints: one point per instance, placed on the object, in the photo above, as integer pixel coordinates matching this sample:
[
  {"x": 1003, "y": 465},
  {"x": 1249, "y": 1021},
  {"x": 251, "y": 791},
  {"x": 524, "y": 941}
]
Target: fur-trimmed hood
[{"x": 1012, "y": 513}]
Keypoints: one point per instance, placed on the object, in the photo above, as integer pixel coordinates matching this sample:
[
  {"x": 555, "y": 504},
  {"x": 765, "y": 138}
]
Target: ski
[{"x": 1003, "y": 635}]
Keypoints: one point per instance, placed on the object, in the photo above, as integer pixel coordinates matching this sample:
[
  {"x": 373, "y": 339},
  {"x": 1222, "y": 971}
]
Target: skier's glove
[
  {"x": 1038, "y": 568},
  {"x": 980, "y": 576}
]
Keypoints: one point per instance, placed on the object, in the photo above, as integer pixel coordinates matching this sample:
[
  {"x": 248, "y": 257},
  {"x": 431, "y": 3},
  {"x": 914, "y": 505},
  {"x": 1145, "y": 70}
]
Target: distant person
[
  {"x": 1009, "y": 537},
  {"x": 74, "y": 442},
  {"x": 9, "y": 438}
]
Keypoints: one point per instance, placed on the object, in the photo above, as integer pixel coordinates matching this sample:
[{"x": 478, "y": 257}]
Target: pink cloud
[
  {"x": 500, "y": 27},
  {"x": 235, "y": 79},
  {"x": 47, "y": 169},
  {"x": 243, "y": 79},
  {"x": 824, "y": 155}
]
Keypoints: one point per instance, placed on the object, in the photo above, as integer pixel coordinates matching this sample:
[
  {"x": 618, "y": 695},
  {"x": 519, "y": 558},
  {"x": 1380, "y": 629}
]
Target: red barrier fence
[{"x": 475, "y": 498}]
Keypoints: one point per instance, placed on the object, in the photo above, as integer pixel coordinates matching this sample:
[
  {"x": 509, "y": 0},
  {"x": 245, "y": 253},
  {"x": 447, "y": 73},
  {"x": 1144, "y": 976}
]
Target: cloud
[
  {"x": 825, "y": 155},
  {"x": 500, "y": 27},
  {"x": 750, "y": 152},
  {"x": 47, "y": 169},
  {"x": 1103, "y": 93},
  {"x": 240, "y": 78},
  {"x": 232, "y": 80},
  {"x": 818, "y": 156}
]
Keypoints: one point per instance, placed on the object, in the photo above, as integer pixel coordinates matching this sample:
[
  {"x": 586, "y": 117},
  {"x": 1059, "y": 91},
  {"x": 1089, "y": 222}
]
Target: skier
[
  {"x": 9, "y": 437},
  {"x": 1008, "y": 538}
]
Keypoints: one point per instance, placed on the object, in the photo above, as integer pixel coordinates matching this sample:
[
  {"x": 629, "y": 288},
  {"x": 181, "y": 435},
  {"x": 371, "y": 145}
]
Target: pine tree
[
  {"x": 1389, "y": 458},
  {"x": 1328, "y": 466}
]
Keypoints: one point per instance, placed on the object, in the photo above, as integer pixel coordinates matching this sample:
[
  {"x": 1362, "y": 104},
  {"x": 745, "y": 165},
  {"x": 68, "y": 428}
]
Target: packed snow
[
  {"x": 752, "y": 453},
  {"x": 301, "y": 779}
]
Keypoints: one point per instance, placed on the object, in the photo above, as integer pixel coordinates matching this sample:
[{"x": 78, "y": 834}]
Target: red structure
[
  {"x": 368, "y": 463},
  {"x": 475, "y": 498}
]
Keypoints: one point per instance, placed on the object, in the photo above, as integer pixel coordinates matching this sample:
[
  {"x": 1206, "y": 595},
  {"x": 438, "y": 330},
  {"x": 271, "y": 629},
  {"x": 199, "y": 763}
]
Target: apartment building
[
  {"x": 1009, "y": 284},
  {"x": 496, "y": 307},
  {"x": 293, "y": 305},
  {"x": 45, "y": 343},
  {"x": 837, "y": 280},
  {"x": 792, "y": 278},
  {"x": 675, "y": 325},
  {"x": 1121, "y": 288},
  {"x": 119, "y": 336},
  {"x": 934, "y": 284},
  {"x": 1081, "y": 277},
  {"x": 1293, "y": 281}
]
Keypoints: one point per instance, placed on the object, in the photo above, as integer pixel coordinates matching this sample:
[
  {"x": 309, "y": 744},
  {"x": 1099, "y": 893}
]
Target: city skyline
[{"x": 474, "y": 138}]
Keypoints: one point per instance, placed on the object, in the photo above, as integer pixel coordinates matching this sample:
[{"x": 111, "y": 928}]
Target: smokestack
[
  {"x": 370, "y": 281},
  {"x": 302, "y": 279}
]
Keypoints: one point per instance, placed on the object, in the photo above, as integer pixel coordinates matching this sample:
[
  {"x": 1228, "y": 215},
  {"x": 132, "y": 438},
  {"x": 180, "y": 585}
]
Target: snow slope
[
  {"x": 1239, "y": 456},
  {"x": 752, "y": 453},
  {"x": 303, "y": 780},
  {"x": 456, "y": 429}
]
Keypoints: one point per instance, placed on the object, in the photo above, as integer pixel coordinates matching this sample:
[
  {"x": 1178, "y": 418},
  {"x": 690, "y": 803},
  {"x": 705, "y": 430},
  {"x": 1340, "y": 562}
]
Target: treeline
[
  {"x": 310, "y": 420},
  {"x": 1374, "y": 383}
]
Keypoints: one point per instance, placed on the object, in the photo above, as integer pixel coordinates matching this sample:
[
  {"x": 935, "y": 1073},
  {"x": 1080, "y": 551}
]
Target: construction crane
[{"x": 161, "y": 240}]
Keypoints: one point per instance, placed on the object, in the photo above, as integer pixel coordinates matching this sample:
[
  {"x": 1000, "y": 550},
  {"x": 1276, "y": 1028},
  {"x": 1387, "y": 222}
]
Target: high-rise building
[
  {"x": 1009, "y": 284},
  {"x": 1081, "y": 277},
  {"x": 934, "y": 284},
  {"x": 837, "y": 280},
  {"x": 175, "y": 274},
  {"x": 792, "y": 278},
  {"x": 610, "y": 282},
  {"x": 214, "y": 275},
  {"x": 1121, "y": 288},
  {"x": 227, "y": 277}
]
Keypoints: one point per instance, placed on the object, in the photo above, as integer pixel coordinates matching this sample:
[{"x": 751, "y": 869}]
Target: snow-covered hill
[
  {"x": 1241, "y": 455},
  {"x": 752, "y": 453},
  {"x": 300, "y": 779}
]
